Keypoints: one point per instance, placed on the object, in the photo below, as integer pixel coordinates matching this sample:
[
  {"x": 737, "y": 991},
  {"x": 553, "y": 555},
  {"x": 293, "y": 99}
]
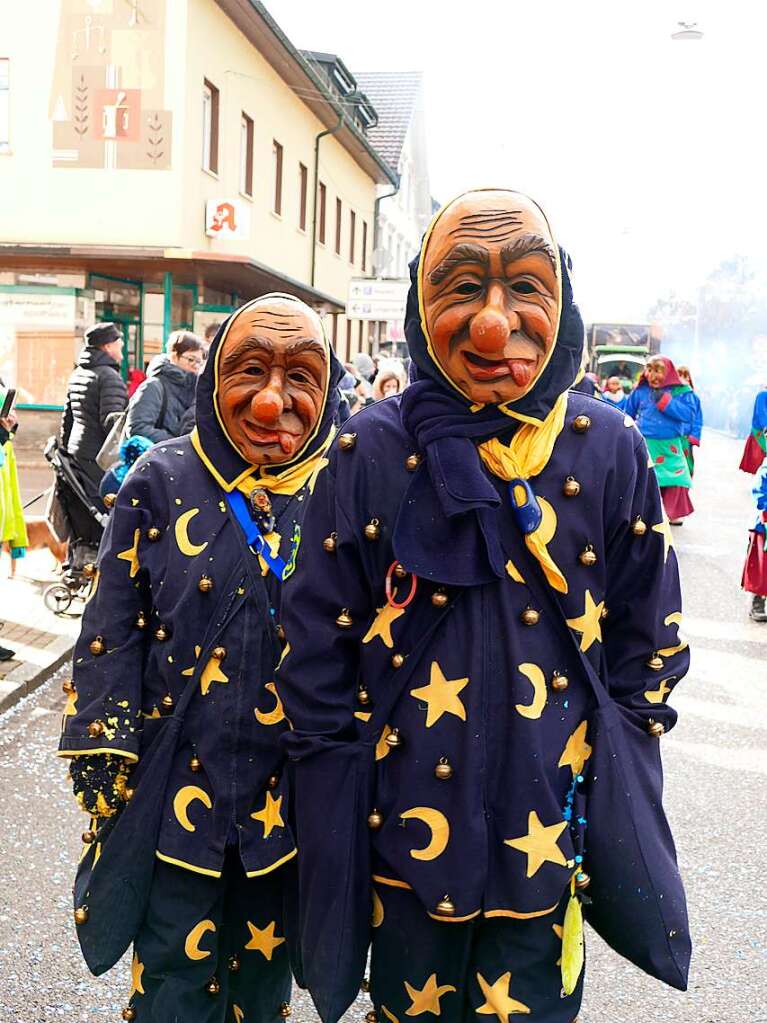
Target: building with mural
[{"x": 167, "y": 160}]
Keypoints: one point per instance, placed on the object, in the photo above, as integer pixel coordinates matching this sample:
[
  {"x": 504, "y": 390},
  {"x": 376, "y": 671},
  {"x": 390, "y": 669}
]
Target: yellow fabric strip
[
  {"x": 391, "y": 882},
  {"x": 272, "y": 866},
  {"x": 87, "y": 752},
  {"x": 521, "y": 916},
  {"x": 187, "y": 866}
]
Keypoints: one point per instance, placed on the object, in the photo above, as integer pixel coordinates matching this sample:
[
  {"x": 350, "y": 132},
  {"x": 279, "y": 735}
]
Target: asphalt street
[{"x": 716, "y": 763}]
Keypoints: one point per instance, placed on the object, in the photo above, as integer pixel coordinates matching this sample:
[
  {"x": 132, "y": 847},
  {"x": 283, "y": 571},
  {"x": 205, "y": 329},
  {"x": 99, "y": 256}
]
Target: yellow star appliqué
[
  {"x": 427, "y": 999},
  {"x": 131, "y": 555},
  {"x": 664, "y": 529},
  {"x": 577, "y": 751},
  {"x": 382, "y": 623},
  {"x": 588, "y": 624},
  {"x": 212, "y": 672},
  {"x": 441, "y": 696},
  {"x": 263, "y": 941},
  {"x": 498, "y": 1001},
  {"x": 539, "y": 844},
  {"x": 658, "y": 695},
  {"x": 270, "y": 816},
  {"x": 136, "y": 970}
]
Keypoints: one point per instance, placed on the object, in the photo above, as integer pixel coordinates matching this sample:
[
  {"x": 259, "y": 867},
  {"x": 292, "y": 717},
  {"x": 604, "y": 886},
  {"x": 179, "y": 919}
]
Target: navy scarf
[{"x": 448, "y": 528}]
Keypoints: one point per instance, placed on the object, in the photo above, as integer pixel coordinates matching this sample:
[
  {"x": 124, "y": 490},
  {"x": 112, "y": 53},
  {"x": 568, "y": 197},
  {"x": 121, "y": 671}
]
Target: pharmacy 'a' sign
[{"x": 227, "y": 218}]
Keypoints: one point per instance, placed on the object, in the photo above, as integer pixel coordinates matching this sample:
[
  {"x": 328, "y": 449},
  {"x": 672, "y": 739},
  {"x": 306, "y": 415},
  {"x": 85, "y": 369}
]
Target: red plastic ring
[{"x": 390, "y": 596}]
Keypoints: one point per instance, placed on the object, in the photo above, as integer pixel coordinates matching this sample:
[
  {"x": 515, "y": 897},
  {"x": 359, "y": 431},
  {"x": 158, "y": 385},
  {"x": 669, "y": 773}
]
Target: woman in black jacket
[{"x": 157, "y": 408}]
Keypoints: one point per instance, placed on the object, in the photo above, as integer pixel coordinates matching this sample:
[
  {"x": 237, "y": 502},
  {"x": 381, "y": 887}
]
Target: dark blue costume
[
  {"x": 478, "y": 824},
  {"x": 180, "y": 600}
]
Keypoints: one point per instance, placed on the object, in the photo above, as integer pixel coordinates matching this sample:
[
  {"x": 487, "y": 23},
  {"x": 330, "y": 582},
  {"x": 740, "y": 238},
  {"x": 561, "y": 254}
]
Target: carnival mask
[
  {"x": 491, "y": 293},
  {"x": 272, "y": 379},
  {"x": 655, "y": 372}
]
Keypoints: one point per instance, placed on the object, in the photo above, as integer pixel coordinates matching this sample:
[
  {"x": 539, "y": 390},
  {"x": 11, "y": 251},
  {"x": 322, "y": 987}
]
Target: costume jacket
[
  {"x": 173, "y": 605},
  {"x": 672, "y": 415}
]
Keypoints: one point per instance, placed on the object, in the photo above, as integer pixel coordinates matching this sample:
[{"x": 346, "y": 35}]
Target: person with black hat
[
  {"x": 183, "y": 631},
  {"x": 95, "y": 391}
]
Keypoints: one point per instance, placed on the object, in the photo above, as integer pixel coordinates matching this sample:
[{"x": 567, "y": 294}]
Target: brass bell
[
  {"x": 363, "y": 696},
  {"x": 285, "y": 1009},
  {"x": 205, "y": 585},
  {"x": 655, "y": 728},
  {"x": 213, "y": 987},
  {"x": 639, "y": 527},
  {"x": 582, "y": 880},
  {"x": 347, "y": 441},
  {"x": 655, "y": 663},
  {"x": 88, "y": 837},
  {"x": 95, "y": 729},
  {"x": 344, "y": 620},
  {"x": 234, "y": 964},
  {"x": 581, "y": 424},
  {"x": 443, "y": 770},
  {"x": 604, "y": 613},
  {"x": 161, "y": 633},
  {"x": 571, "y": 487},
  {"x": 81, "y": 915},
  {"x": 153, "y": 534},
  {"x": 445, "y": 907},
  {"x": 530, "y": 616},
  {"x": 127, "y": 795},
  {"x": 128, "y": 1013},
  {"x": 371, "y": 1017},
  {"x": 373, "y": 530},
  {"x": 109, "y": 500},
  {"x": 329, "y": 543},
  {"x": 141, "y": 620},
  {"x": 439, "y": 598},
  {"x": 194, "y": 763},
  {"x": 375, "y": 820},
  {"x": 167, "y": 702},
  {"x": 559, "y": 682},
  {"x": 365, "y": 985},
  {"x": 400, "y": 571},
  {"x": 273, "y": 781},
  {"x": 68, "y": 685},
  {"x": 397, "y": 660},
  {"x": 97, "y": 646},
  {"x": 587, "y": 557},
  {"x": 218, "y": 653},
  {"x": 281, "y": 633},
  {"x": 89, "y": 570},
  {"x": 393, "y": 740},
  {"x": 412, "y": 462}
]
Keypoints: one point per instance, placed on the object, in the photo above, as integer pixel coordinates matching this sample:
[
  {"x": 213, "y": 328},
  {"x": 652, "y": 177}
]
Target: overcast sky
[{"x": 647, "y": 154}]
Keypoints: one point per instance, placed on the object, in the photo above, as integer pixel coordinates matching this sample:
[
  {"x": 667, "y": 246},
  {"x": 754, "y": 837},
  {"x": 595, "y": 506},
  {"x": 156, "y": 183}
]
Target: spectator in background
[
  {"x": 130, "y": 451},
  {"x": 95, "y": 391},
  {"x": 136, "y": 377},
  {"x": 614, "y": 392},
  {"x": 754, "y": 460},
  {"x": 364, "y": 366},
  {"x": 157, "y": 408},
  {"x": 695, "y": 426},
  {"x": 208, "y": 337},
  {"x": 390, "y": 379},
  {"x": 12, "y": 528}
]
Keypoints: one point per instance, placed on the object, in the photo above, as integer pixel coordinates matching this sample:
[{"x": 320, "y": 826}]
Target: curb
[{"x": 28, "y": 677}]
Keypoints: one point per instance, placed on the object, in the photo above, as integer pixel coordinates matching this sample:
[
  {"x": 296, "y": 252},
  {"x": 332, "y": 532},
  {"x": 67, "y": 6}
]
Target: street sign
[
  {"x": 376, "y": 298},
  {"x": 227, "y": 218}
]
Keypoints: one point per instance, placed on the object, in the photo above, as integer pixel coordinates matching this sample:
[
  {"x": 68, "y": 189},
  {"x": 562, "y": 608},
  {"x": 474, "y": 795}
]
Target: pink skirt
[{"x": 676, "y": 501}]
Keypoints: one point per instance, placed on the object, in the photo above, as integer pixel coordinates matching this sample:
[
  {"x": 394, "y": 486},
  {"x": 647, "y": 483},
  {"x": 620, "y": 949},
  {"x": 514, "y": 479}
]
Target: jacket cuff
[
  {"x": 85, "y": 745},
  {"x": 664, "y": 402},
  {"x": 694, "y": 441}
]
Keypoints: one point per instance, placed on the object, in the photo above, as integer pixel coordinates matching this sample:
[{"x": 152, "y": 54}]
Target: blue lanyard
[{"x": 253, "y": 535}]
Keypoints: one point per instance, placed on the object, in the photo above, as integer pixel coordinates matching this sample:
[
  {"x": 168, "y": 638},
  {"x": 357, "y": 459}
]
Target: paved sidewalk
[{"x": 41, "y": 640}]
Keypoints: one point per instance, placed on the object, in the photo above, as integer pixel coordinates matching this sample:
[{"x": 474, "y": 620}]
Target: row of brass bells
[
  {"x": 218, "y": 653},
  {"x": 344, "y": 620},
  {"x": 89, "y": 570},
  {"x": 161, "y": 633},
  {"x": 393, "y": 740},
  {"x": 581, "y": 424},
  {"x": 363, "y": 696},
  {"x": 153, "y": 534},
  {"x": 141, "y": 620},
  {"x": 285, "y": 1009},
  {"x": 109, "y": 500},
  {"x": 530, "y": 616},
  {"x": 194, "y": 763},
  {"x": 347, "y": 441},
  {"x": 329, "y": 543},
  {"x": 587, "y": 556},
  {"x": 95, "y": 729},
  {"x": 639, "y": 527},
  {"x": 213, "y": 987},
  {"x": 97, "y": 646},
  {"x": 88, "y": 837},
  {"x": 445, "y": 906},
  {"x": 443, "y": 770},
  {"x": 559, "y": 682},
  {"x": 233, "y": 965},
  {"x": 81, "y": 915},
  {"x": 655, "y": 663},
  {"x": 582, "y": 880},
  {"x": 167, "y": 702},
  {"x": 273, "y": 781},
  {"x": 375, "y": 820},
  {"x": 373, "y": 530},
  {"x": 439, "y": 598},
  {"x": 655, "y": 729},
  {"x": 412, "y": 462},
  {"x": 571, "y": 487},
  {"x": 68, "y": 686},
  {"x": 400, "y": 571},
  {"x": 205, "y": 585},
  {"x": 128, "y": 1013},
  {"x": 397, "y": 660}
]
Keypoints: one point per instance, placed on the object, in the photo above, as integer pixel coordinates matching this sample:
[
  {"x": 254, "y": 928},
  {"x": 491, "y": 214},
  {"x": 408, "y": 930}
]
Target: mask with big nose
[{"x": 491, "y": 294}]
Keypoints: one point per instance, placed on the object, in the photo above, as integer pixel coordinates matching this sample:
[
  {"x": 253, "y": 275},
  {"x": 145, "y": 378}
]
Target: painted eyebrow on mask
[
  {"x": 262, "y": 344},
  {"x": 526, "y": 245},
  {"x": 464, "y": 253}
]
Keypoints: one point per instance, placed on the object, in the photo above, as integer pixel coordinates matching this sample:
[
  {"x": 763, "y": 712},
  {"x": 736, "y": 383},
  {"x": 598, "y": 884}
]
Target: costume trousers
[
  {"x": 211, "y": 950},
  {"x": 487, "y": 966}
]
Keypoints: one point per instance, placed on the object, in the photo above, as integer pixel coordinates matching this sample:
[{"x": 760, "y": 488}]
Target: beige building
[{"x": 159, "y": 164}]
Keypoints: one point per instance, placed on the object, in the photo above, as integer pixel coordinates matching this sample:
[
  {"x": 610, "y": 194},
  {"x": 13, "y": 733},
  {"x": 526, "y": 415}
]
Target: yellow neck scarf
[
  {"x": 526, "y": 456},
  {"x": 291, "y": 480}
]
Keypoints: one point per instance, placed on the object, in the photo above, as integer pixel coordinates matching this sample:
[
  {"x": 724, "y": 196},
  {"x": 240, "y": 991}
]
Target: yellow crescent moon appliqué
[
  {"x": 377, "y": 917},
  {"x": 181, "y": 802},
  {"x": 538, "y": 681},
  {"x": 192, "y": 943},
  {"x": 185, "y": 545},
  {"x": 437, "y": 823},
  {"x": 272, "y": 717}
]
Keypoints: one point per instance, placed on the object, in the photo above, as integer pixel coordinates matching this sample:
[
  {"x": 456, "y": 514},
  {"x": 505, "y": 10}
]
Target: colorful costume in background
[
  {"x": 417, "y": 609},
  {"x": 131, "y": 449},
  {"x": 755, "y": 461},
  {"x": 13, "y": 530},
  {"x": 180, "y": 599},
  {"x": 694, "y": 430},
  {"x": 665, "y": 416}
]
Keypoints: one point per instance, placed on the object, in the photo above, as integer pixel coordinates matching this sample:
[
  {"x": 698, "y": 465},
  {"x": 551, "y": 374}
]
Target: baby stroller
[{"x": 77, "y": 515}]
